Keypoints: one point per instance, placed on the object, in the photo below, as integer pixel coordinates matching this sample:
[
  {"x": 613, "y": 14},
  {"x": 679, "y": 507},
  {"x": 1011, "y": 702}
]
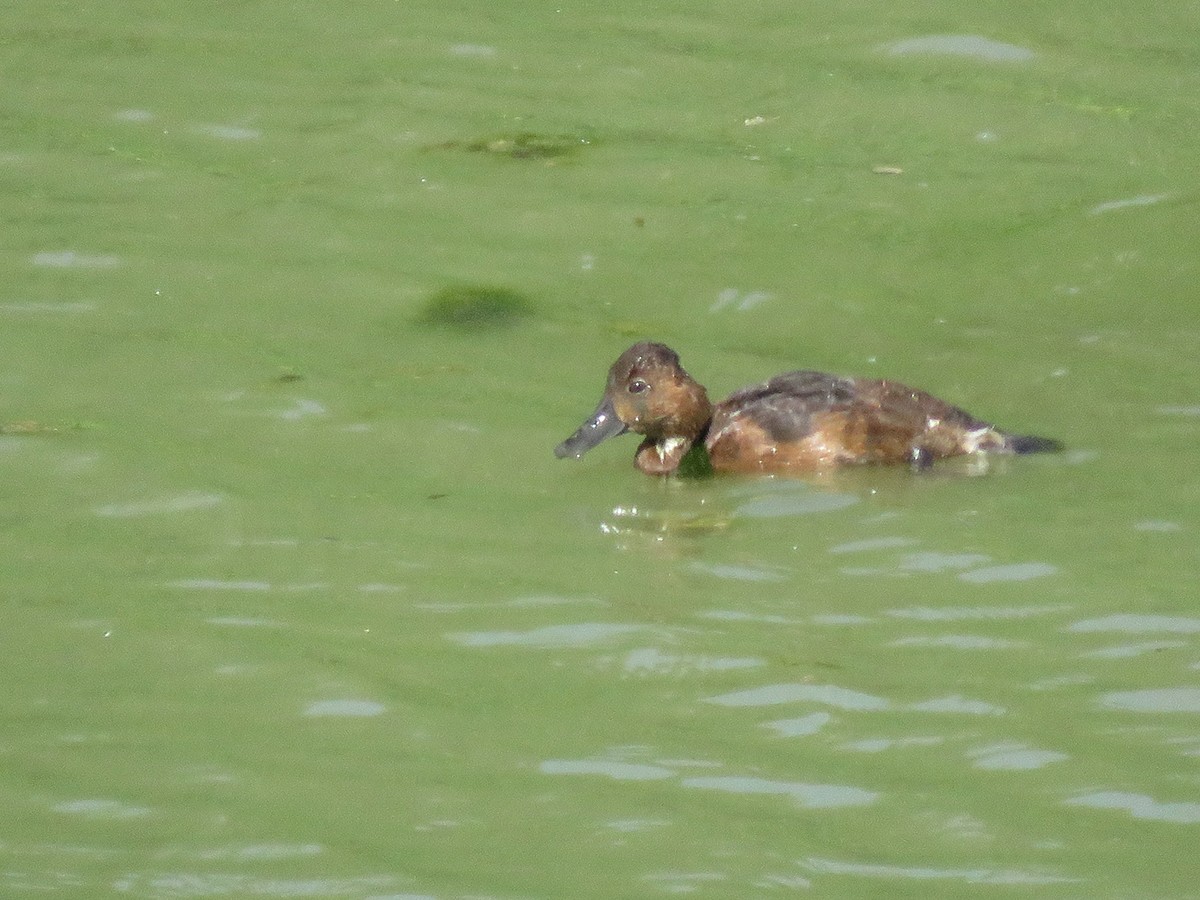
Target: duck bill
[{"x": 602, "y": 425}]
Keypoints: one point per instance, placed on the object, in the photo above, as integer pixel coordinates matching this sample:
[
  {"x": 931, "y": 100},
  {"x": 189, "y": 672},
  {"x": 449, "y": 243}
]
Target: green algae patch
[
  {"x": 696, "y": 463},
  {"x": 523, "y": 145},
  {"x": 476, "y": 308}
]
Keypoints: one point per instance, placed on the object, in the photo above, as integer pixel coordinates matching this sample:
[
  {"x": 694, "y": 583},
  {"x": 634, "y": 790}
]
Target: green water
[{"x": 298, "y": 601}]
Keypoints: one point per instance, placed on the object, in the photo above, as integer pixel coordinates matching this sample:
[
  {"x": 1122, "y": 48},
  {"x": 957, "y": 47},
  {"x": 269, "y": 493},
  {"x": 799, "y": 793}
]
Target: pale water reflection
[
  {"x": 261, "y": 852},
  {"x": 1155, "y": 700},
  {"x": 550, "y": 636},
  {"x": 244, "y": 622},
  {"x": 179, "y": 503},
  {"x": 1127, "y": 202},
  {"x": 229, "y": 132},
  {"x": 218, "y": 584},
  {"x": 1139, "y": 806},
  {"x": 1128, "y": 651},
  {"x": 967, "y": 45},
  {"x": 794, "y": 501},
  {"x": 1012, "y": 572},
  {"x": 1014, "y": 757},
  {"x": 932, "y": 873},
  {"x": 72, "y": 259},
  {"x": 878, "y": 543},
  {"x": 880, "y": 744},
  {"x": 202, "y": 884},
  {"x": 970, "y": 567},
  {"x": 827, "y": 694},
  {"x": 801, "y": 726},
  {"x": 956, "y": 704},
  {"x": 739, "y": 573},
  {"x": 653, "y": 661},
  {"x": 933, "y": 562},
  {"x": 807, "y": 796},
  {"x": 347, "y": 708},
  {"x": 960, "y": 642},
  {"x": 102, "y": 809},
  {"x": 618, "y": 771},
  {"x": 1138, "y": 623},
  {"x": 975, "y": 613},
  {"x": 80, "y": 306},
  {"x": 733, "y": 615}
]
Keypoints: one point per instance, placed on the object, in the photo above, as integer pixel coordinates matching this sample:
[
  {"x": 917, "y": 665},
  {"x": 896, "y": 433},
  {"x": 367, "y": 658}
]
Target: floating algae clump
[
  {"x": 523, "y": 145},
  {"x": 476, "y": 308}
]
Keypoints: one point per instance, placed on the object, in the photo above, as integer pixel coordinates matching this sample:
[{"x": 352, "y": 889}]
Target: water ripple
[
  {"x": 879, "y": 744},
  {"x": 1129, "y": 651},
  {"x": 1128, "y": 202},
  {"x": 262, "y": 852},
  {"x": 38, "y": 307},
  {"x": 959, "y": 642},
  {"x": 956, "y": 703},
  {"x": 941, "y": 562},
  {"x": 207, "y": 884},
  {"x": 229, "y": 132},
  {"x": 800, "y": 727},
  {"x": 1140, "y": 806},
  {"x": 810, "y": 796},
  {"x": 1136, "y": 623},
  {"x": 185, "y": 502},
  {"x": 738, "y": 573},
  {"x": 774, "y": 694},
  {"x": 791, "y": 503},
  {"x": 737, "y": 615},
  {"x": 879, "y": 543},
  {"x": 549, "y": 637},
  {"x": 102, "y": 809},
  {"x": 932, "y": 873},
  {"x": 347, "y": 708},
  {"x": 70, "y": 259},
  {"x": 651, "y": 660},
  {"x": 1178, "y": 699},
  {"x": 478, "y": 51},
  {"x": 1011, "y": 572},
  {"x": 970, "y": 45},
  {"x": 618, "y": 771},
  {"x": 952, "y": 613},
  {"x": 1014, "y": 757},
  {"x": 218, "y": 584}
]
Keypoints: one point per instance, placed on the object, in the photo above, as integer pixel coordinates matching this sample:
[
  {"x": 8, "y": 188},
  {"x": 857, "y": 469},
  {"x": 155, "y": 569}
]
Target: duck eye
[{"x": 638, "y": 386}]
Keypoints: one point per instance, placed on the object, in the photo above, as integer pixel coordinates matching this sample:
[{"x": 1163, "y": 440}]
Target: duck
[{"x": 793, "y": 424}]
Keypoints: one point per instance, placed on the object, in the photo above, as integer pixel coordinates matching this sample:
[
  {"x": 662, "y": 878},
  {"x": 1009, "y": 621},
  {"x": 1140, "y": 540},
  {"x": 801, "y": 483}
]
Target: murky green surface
[{"x": 297, "y": 600}]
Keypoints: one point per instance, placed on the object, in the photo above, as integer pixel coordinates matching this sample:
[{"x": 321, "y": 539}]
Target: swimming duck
[{"x": 794, "y": 423}]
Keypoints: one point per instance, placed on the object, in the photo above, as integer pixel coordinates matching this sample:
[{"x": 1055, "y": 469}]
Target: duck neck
[{"x": 663, "y": 450}]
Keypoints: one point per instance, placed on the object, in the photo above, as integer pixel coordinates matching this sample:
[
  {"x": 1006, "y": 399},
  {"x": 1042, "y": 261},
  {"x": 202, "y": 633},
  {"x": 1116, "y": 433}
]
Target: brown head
[{"x": 649, "y": 393}]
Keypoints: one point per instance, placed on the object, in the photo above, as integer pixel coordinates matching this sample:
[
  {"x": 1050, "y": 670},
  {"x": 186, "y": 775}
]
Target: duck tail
[{"x": 1028, "y": 443}]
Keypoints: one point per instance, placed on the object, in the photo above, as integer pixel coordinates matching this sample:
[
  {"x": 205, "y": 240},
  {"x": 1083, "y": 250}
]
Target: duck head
[{"x": 649, "y": 393}]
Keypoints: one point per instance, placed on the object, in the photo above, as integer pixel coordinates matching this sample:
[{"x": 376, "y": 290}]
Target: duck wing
[
  {"x": 809, "y": 418},
  {"x": 784, "y": 406}
]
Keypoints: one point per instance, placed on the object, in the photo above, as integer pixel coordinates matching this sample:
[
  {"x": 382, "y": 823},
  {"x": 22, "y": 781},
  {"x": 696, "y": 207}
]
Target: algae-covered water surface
[{"x": 296, "y": 305}]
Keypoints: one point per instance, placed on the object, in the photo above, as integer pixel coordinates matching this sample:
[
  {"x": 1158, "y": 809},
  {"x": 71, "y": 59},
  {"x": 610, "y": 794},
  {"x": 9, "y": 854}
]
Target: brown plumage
[{"x": 793, "y": 423}]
